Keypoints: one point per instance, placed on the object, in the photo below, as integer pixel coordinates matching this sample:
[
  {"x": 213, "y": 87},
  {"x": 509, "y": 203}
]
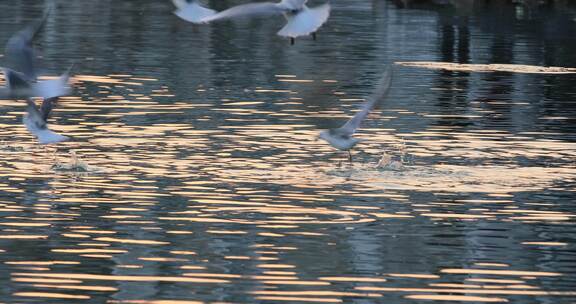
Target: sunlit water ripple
[{"x": 195, "y": 174}]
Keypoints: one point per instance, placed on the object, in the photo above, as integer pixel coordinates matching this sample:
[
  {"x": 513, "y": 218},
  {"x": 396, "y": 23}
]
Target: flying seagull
[
  {"x": 22, "y": 83},
  {"x": 301, "y": 20},
  {"x": 36, "y": 121},
  {"x": 342, "y": 138}
]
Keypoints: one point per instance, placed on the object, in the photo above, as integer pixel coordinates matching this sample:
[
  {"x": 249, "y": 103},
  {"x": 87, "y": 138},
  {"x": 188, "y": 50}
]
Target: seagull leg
[
  {"x": 292, "y": 40},
  {"x": 350, "y": 156}
]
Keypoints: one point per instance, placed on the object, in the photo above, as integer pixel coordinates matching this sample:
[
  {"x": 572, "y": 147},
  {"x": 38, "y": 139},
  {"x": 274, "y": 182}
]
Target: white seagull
[
  {"x": 36, "y": 121},
  {"x": 301, "y": 20},
  {"x": 342, "y": 138}
]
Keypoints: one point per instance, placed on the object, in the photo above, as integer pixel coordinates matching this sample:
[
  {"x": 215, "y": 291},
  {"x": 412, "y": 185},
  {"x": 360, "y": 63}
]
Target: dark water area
[{"x": 194, "y": 174}]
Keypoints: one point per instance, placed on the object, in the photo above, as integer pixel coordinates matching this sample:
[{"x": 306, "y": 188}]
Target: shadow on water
[{"x": 194, "y": 174}]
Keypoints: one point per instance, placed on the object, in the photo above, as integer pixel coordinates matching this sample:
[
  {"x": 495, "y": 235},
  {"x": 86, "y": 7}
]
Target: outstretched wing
[
  {"x": 15, "y": 81},
  {"x": 17, "y": 86},
  {"x": 33, "y": 118},
  {"x": 306, "y": 21},
  {"x": 48, "y": 104},
  {"x": 378, "y": 95},
  {"x": 192, "y": 12},
  {"x": 247, "y": 10},
  {"x": 19, "y": 49},
  {"x": 53, "y": 87}
]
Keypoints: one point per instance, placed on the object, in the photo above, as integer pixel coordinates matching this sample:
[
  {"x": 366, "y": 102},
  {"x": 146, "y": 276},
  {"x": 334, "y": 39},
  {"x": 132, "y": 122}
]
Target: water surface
[{"x": 202, "y": 179}]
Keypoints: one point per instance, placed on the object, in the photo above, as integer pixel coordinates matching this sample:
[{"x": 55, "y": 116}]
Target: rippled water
[{"x": 194, "y": 174}]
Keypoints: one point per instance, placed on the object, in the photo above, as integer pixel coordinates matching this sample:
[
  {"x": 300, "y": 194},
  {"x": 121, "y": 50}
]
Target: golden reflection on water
[
  {"x": 215, "y": 191},
  {"x": 455, "y": 298},
  {"x": 121, "y": 278},
  {"x": 51, "y": 295},
  {"x": 298, "y": 299},
  {"x": 157, "y": 302}
]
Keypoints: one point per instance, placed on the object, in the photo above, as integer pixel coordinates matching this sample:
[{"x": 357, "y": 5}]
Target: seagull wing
[
  {"x": 247, "y": 10},
  {"x": 19, "y": 49},
  {"x": 306, "y": 21},
  {"x": 53, "y": 87},
  {"x": 5, "y": 93},
  {"x": 17, "y": 86},
  {"x": 47, "y": 105},
  {"x": 378, "y": 95},
  {"x": 15, "y": 81},
  {"x": 192, "y": 12},
  {"x": 33, "y": 118}
]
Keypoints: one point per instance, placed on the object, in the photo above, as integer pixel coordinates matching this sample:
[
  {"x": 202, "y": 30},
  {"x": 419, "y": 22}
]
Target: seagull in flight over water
[
  {"x": 36, "y": 119},
  {"x": 342, "y": 138},
  {"x": 22, "y": 83},
  {"x": 301, "y": 20}
]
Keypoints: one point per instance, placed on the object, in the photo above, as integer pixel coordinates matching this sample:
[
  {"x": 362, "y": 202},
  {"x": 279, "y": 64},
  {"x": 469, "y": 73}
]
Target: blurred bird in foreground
[
  {"x": 301, "y": 20},
  {"x": 22, "y": 82},
  {"x": 342, "y": 138},
  {"x": 36, "y": 119}
]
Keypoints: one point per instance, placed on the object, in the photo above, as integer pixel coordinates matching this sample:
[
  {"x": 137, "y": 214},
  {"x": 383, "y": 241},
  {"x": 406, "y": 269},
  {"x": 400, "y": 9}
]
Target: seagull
[
  {"x": 342, "y": 138},
  {"x": 22, "y": 83},
  {"x": 36, "y": 119},
  {"x": 301, "y": 20}
]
